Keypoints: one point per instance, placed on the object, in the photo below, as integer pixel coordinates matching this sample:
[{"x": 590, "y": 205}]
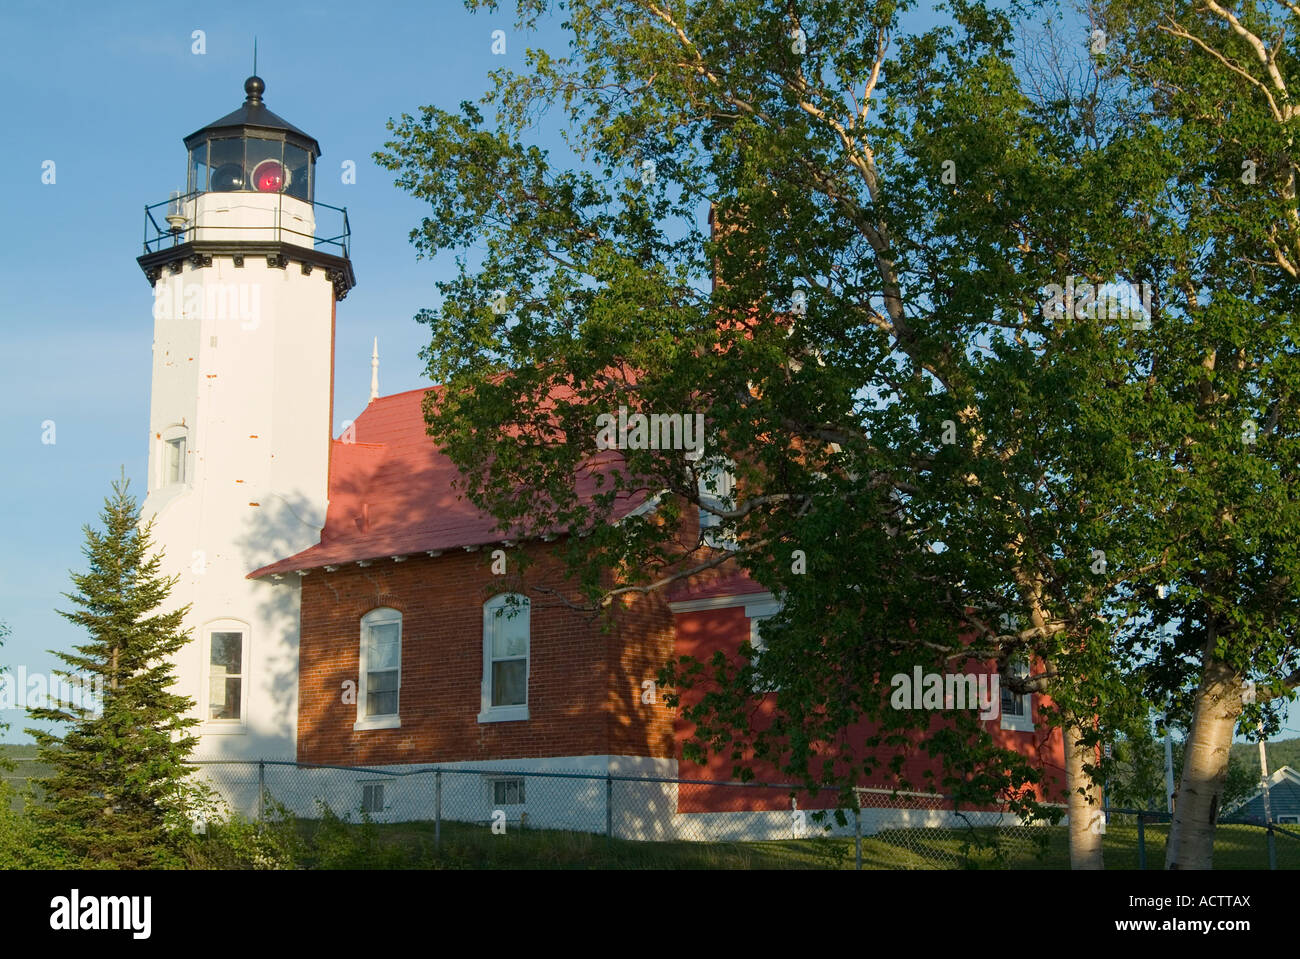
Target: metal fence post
[
  {"x": 857, "y": 838},
  {"x": 1142, "y": 842},
  {"x": 609, "y": 807},
  {"x": 261, "y": 792},
  {"x": 437, "y": 809}
]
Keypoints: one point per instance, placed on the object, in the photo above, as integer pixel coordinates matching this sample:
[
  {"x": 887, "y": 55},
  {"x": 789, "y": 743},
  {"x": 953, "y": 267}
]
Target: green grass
[
  {"x": 466, "y": 846},
  {"x": 470, "y": 846},
  {"x": 1235, "y": 847}
]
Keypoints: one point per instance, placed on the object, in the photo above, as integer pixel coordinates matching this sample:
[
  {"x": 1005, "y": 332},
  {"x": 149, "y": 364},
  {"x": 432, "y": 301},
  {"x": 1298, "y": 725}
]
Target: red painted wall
[{"x": 702, "y": 634}]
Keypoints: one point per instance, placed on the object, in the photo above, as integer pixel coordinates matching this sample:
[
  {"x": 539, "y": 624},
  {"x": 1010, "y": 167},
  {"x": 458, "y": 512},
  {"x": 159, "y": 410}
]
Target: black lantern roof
[{"x": 253, "y": 118}]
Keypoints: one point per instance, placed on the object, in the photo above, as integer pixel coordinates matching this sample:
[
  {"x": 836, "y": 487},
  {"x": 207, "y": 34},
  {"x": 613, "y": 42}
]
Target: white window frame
[
  {"x": 165, "y": 440},
  {"x": 381, "y": 616},
  {"x": 757, "y": 613},
  {"x": 1024, "y": 723},
  {"x": 228, "y": 727},
  {"x": 504, "y": 714},
  {"x": 1288, "y": 819}
]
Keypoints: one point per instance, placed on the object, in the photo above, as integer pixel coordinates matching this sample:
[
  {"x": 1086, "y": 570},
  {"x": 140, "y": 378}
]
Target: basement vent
[
  {"x": 508, "y": 792},
  {"x": 372, "y": 797}
]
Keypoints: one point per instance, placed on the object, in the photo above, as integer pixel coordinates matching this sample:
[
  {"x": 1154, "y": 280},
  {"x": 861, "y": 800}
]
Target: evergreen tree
[
  {"x": 120, "y": 769},
  {"x": 4, "y": 761}
]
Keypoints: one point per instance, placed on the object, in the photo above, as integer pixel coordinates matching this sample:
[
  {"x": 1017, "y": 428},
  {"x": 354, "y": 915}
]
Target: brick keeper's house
[{"x": 345, "y": 607}]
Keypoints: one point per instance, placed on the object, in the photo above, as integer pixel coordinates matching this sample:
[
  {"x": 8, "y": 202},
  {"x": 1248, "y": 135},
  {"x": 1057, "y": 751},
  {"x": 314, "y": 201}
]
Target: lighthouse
[{"x": 246, "y": 267}]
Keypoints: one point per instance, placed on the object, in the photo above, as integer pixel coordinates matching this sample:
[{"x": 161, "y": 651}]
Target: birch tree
[
  {"x": 1221, "y": 80},
  {"x": 878, "y": 364}
]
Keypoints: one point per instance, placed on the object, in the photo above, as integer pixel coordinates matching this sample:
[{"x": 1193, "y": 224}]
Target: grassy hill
[{"x": 1284, "y": 752}]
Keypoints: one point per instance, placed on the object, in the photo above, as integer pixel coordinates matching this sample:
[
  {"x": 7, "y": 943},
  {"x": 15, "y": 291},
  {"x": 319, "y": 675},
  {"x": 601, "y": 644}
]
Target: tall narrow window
[
  {"x": 758, "y": 612},
  {"x": 174, "y": 466},
  {"x": 381, "y": 669},
  {"x": 717, "y": 489},
  {"x": 762, "y": 683},
  {"x": 505, "y": 659},
  {"x": 227, "y": 669},
  {"x": 1017, "y": 711}
]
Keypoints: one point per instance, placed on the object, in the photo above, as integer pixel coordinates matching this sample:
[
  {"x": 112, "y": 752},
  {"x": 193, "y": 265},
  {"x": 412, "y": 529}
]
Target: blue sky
[{"x": 108, "y": 94}]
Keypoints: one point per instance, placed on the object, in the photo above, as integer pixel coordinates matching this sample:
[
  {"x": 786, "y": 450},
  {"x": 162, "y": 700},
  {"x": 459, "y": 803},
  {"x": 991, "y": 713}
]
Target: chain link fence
[
  {"x": 775, "y": 824},
  {"x": 567, "y": 817},
  {"x": 1244, "y": 843}
]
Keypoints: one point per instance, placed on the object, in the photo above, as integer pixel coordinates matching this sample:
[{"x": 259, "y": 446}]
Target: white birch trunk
[
  {"x": 1205, "y": 768},
  {"x": 1084, "y": 803}
]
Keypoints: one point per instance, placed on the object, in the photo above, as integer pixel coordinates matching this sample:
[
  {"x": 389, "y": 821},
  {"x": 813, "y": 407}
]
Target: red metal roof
[{"x": 390, "y": 493}]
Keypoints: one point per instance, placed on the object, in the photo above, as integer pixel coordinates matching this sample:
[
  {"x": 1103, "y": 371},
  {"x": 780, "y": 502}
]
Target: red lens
[{"x": 268, "y": 177}]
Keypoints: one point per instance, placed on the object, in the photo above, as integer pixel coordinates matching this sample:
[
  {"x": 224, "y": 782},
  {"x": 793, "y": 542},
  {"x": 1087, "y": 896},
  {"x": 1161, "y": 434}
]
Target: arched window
[
  {"x": 173, "y": 457},
  {"x": 505, "y": 659},
  {"x": 225, "y": 667},
  {"x": 380, "y": 679}
]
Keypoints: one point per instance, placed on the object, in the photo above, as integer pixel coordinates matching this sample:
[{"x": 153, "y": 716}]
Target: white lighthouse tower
[{"x": 246, "y": 268}]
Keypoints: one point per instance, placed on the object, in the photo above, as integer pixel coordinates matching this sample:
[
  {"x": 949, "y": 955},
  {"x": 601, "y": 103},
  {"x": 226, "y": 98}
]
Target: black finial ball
[{"x": 254, "y": 86}]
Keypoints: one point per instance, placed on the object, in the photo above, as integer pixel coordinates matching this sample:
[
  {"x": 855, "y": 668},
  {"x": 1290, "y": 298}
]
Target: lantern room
[
  {"x": 250, "y": 191},
  {"x": 252, "y": 150}
]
